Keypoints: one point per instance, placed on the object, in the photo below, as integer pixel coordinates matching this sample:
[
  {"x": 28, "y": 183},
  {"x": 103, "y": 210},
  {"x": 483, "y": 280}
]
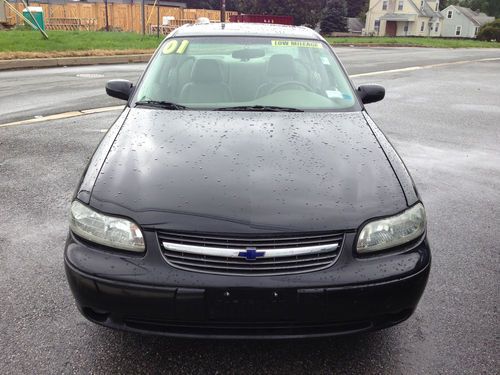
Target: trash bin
[{"x": 37, "y": 14}]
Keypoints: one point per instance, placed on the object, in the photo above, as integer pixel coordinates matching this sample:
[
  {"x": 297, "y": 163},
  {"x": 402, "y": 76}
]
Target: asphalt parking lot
[{"x": 444, "y": 121}]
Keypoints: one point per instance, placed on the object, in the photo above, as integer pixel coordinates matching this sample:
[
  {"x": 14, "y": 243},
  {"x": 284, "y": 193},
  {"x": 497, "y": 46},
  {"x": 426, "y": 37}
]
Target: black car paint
[
  {"x": 305, "y": 305},
  {"x": 246, "y": 172},
  {"x": 142, "y": 293},
  {"x": 220, "y": 172}
]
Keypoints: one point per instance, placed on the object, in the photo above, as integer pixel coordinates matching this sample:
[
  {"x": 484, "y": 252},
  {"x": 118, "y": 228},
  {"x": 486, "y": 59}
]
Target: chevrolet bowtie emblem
[{"x": 251, "y": 253}]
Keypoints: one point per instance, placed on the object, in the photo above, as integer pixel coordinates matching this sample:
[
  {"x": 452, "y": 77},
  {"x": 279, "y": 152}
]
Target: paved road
[
  {"x": 445, "y": 123},
  {"x": 28, "y": 93}
]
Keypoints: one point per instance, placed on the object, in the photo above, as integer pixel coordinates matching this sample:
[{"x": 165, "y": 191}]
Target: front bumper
[{"x": 145, "y": 294}]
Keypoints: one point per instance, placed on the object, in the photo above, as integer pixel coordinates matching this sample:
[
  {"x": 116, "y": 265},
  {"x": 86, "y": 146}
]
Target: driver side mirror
[
  {"x": 119, "y": 88},
  {"x": 371, "y": 93}
]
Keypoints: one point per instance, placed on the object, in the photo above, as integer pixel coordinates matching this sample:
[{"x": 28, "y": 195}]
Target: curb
[{"x": 72, "y": 61}]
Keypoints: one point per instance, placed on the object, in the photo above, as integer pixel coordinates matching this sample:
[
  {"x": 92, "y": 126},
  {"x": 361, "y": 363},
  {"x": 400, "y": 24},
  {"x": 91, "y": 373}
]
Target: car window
[{"x": 221, "y": 72}]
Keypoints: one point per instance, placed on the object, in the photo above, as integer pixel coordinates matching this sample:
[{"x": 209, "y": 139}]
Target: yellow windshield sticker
[
  {"x": 182, "y": 47},
  {"x": 296, "y": 43},
  {"x": 170, "y": 47}
]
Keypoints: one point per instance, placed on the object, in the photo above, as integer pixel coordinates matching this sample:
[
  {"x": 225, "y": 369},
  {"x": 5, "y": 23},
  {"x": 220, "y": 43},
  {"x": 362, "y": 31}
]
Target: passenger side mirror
[
  {"x": 119, "y": 88},
  {"x": 371, "y": 93}
]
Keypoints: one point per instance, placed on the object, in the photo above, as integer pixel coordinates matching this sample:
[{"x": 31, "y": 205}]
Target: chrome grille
[{"x": 274, "y": 255}]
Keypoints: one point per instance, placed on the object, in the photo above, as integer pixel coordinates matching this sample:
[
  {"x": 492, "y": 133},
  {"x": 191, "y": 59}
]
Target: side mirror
[
  {"x": 371, "y": 93},
  {"x": 119, "y": 88}
]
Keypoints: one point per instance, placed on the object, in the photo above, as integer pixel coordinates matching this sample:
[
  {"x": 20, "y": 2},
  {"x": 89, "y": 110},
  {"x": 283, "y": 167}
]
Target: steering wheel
[{"x": 281, "y": 86}]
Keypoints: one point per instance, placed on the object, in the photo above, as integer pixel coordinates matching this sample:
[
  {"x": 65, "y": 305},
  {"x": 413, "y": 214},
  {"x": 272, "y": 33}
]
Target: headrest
[
  {"x": 206, "y": 71},
  {"x": 281, "y": 65}
]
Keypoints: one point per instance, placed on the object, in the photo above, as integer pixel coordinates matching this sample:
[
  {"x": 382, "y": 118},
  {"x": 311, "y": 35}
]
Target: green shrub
[{"x": 490, "y": 31}]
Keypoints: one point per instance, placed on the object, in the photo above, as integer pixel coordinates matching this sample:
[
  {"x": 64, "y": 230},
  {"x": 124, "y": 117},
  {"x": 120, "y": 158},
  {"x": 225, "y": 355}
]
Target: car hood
[{"x": 246, "y": 172}]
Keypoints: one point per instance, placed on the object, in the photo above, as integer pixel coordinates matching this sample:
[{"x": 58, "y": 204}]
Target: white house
[
  {"x": 403, "y": 18},
  {"x": 460, "y": 22}
]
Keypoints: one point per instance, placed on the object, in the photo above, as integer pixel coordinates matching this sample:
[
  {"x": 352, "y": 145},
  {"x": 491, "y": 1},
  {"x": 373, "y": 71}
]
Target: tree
[
  {"x": 201, "y": 4},
  {"x": 304, "y": 12},
  {"x": 362, "y": 14},
  {"x": 494, "y": 8},
  {"x": 334, "y": 17},
  {"x": 355, "y": 7}
]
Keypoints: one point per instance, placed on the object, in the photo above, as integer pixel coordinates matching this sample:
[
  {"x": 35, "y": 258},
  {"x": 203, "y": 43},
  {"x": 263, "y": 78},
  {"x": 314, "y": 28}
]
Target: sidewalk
[{"x": 72, "y": 61}]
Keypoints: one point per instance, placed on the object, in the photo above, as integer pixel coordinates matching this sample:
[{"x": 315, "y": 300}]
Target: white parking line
[
  {"x": 64, "y": 115},
  {"x": 59, "y": 116},
  {"x": 412, "y": 68}
]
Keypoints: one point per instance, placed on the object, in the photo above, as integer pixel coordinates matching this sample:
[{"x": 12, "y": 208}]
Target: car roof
[{"x": 246, "y": 29}]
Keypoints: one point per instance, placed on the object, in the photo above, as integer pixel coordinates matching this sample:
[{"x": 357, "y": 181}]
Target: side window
[
  {"x": 377, "y": 25},
  {"x": 400, "y": 5},
  {"x": 458, "y": 31},
  {"x": 450, "y": 14},
  {"x": 437, "y": 27},
  {"x": 422, "y": 27},
  {"x": 384, "y": 5}
]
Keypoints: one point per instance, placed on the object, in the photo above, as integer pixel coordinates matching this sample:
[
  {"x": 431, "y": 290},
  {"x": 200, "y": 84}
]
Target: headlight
[
  {"x": 392, "y": 231},
  {"x": 105, "y": 230}
]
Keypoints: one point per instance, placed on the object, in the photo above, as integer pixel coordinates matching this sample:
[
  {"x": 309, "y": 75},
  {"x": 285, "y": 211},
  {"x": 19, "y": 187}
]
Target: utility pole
[
  {"x": 107, "y": 20},
  {"x": 158, "y": 21},
  {"x": 17, "y": 17},
  {"x": 143, "y": 18},
  {"x": 222, "y": 10}
]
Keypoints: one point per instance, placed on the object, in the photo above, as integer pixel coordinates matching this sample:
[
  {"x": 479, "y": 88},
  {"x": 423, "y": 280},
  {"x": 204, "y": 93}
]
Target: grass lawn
[
  {"x": 415, "y": 42},
  {"x": 27, "y": 43}
]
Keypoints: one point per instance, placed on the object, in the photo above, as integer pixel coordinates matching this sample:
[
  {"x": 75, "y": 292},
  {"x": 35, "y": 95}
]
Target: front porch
[{"x": 397, "y": 24}]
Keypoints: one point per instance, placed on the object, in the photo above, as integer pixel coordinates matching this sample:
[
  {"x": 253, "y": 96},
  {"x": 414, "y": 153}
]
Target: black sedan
[{"x": 244, "y": 192}]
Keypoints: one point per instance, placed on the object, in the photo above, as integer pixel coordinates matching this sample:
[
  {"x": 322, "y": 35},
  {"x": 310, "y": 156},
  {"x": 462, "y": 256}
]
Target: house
[
  {"x": 460, "y": 22},
  {"x": 403, "y": 18},
  {"x": 354, "y": 25}
]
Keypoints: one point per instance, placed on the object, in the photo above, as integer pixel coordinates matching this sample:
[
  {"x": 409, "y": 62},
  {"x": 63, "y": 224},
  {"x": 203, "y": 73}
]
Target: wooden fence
[
  {"x": 124, "y": 17},
  {"x": 71, "y": 24}
]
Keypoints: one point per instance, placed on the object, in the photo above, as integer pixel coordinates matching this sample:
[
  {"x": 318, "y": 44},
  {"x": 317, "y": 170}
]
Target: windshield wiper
[
  {"x": 160, "y": 104},
  {"x": 260, "y": 108}
]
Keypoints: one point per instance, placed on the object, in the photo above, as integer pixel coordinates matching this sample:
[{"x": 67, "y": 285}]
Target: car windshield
[{"x": 246, "y": 73}]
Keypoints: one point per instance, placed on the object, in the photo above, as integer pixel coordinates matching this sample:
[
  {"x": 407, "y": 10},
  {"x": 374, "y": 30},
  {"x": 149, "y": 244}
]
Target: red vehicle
[{"x": 262, "y": 18}]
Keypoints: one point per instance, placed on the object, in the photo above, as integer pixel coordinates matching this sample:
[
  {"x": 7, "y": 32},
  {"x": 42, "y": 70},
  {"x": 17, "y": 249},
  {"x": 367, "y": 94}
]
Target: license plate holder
[{"x": 249, "y": 305}]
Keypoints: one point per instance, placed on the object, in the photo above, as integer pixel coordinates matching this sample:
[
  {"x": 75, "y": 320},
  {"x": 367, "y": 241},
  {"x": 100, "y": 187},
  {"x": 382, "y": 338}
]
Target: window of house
[
  {"x": 400, "y": 5},
  {"x": 406, "y": 28},
  {"x": 422, "y": 27},
  {"x": 377, "y": 24},
  {"x": 458, "y": 31},
  {"x": 437, "y": 6},
  {"x": 450, "y": 14},
  {"x": 422, "y": 4},
  {"x": 384, "y": 5},
  {"x": 437, "y": 27},
  {"x": 476, "y": 30}
]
